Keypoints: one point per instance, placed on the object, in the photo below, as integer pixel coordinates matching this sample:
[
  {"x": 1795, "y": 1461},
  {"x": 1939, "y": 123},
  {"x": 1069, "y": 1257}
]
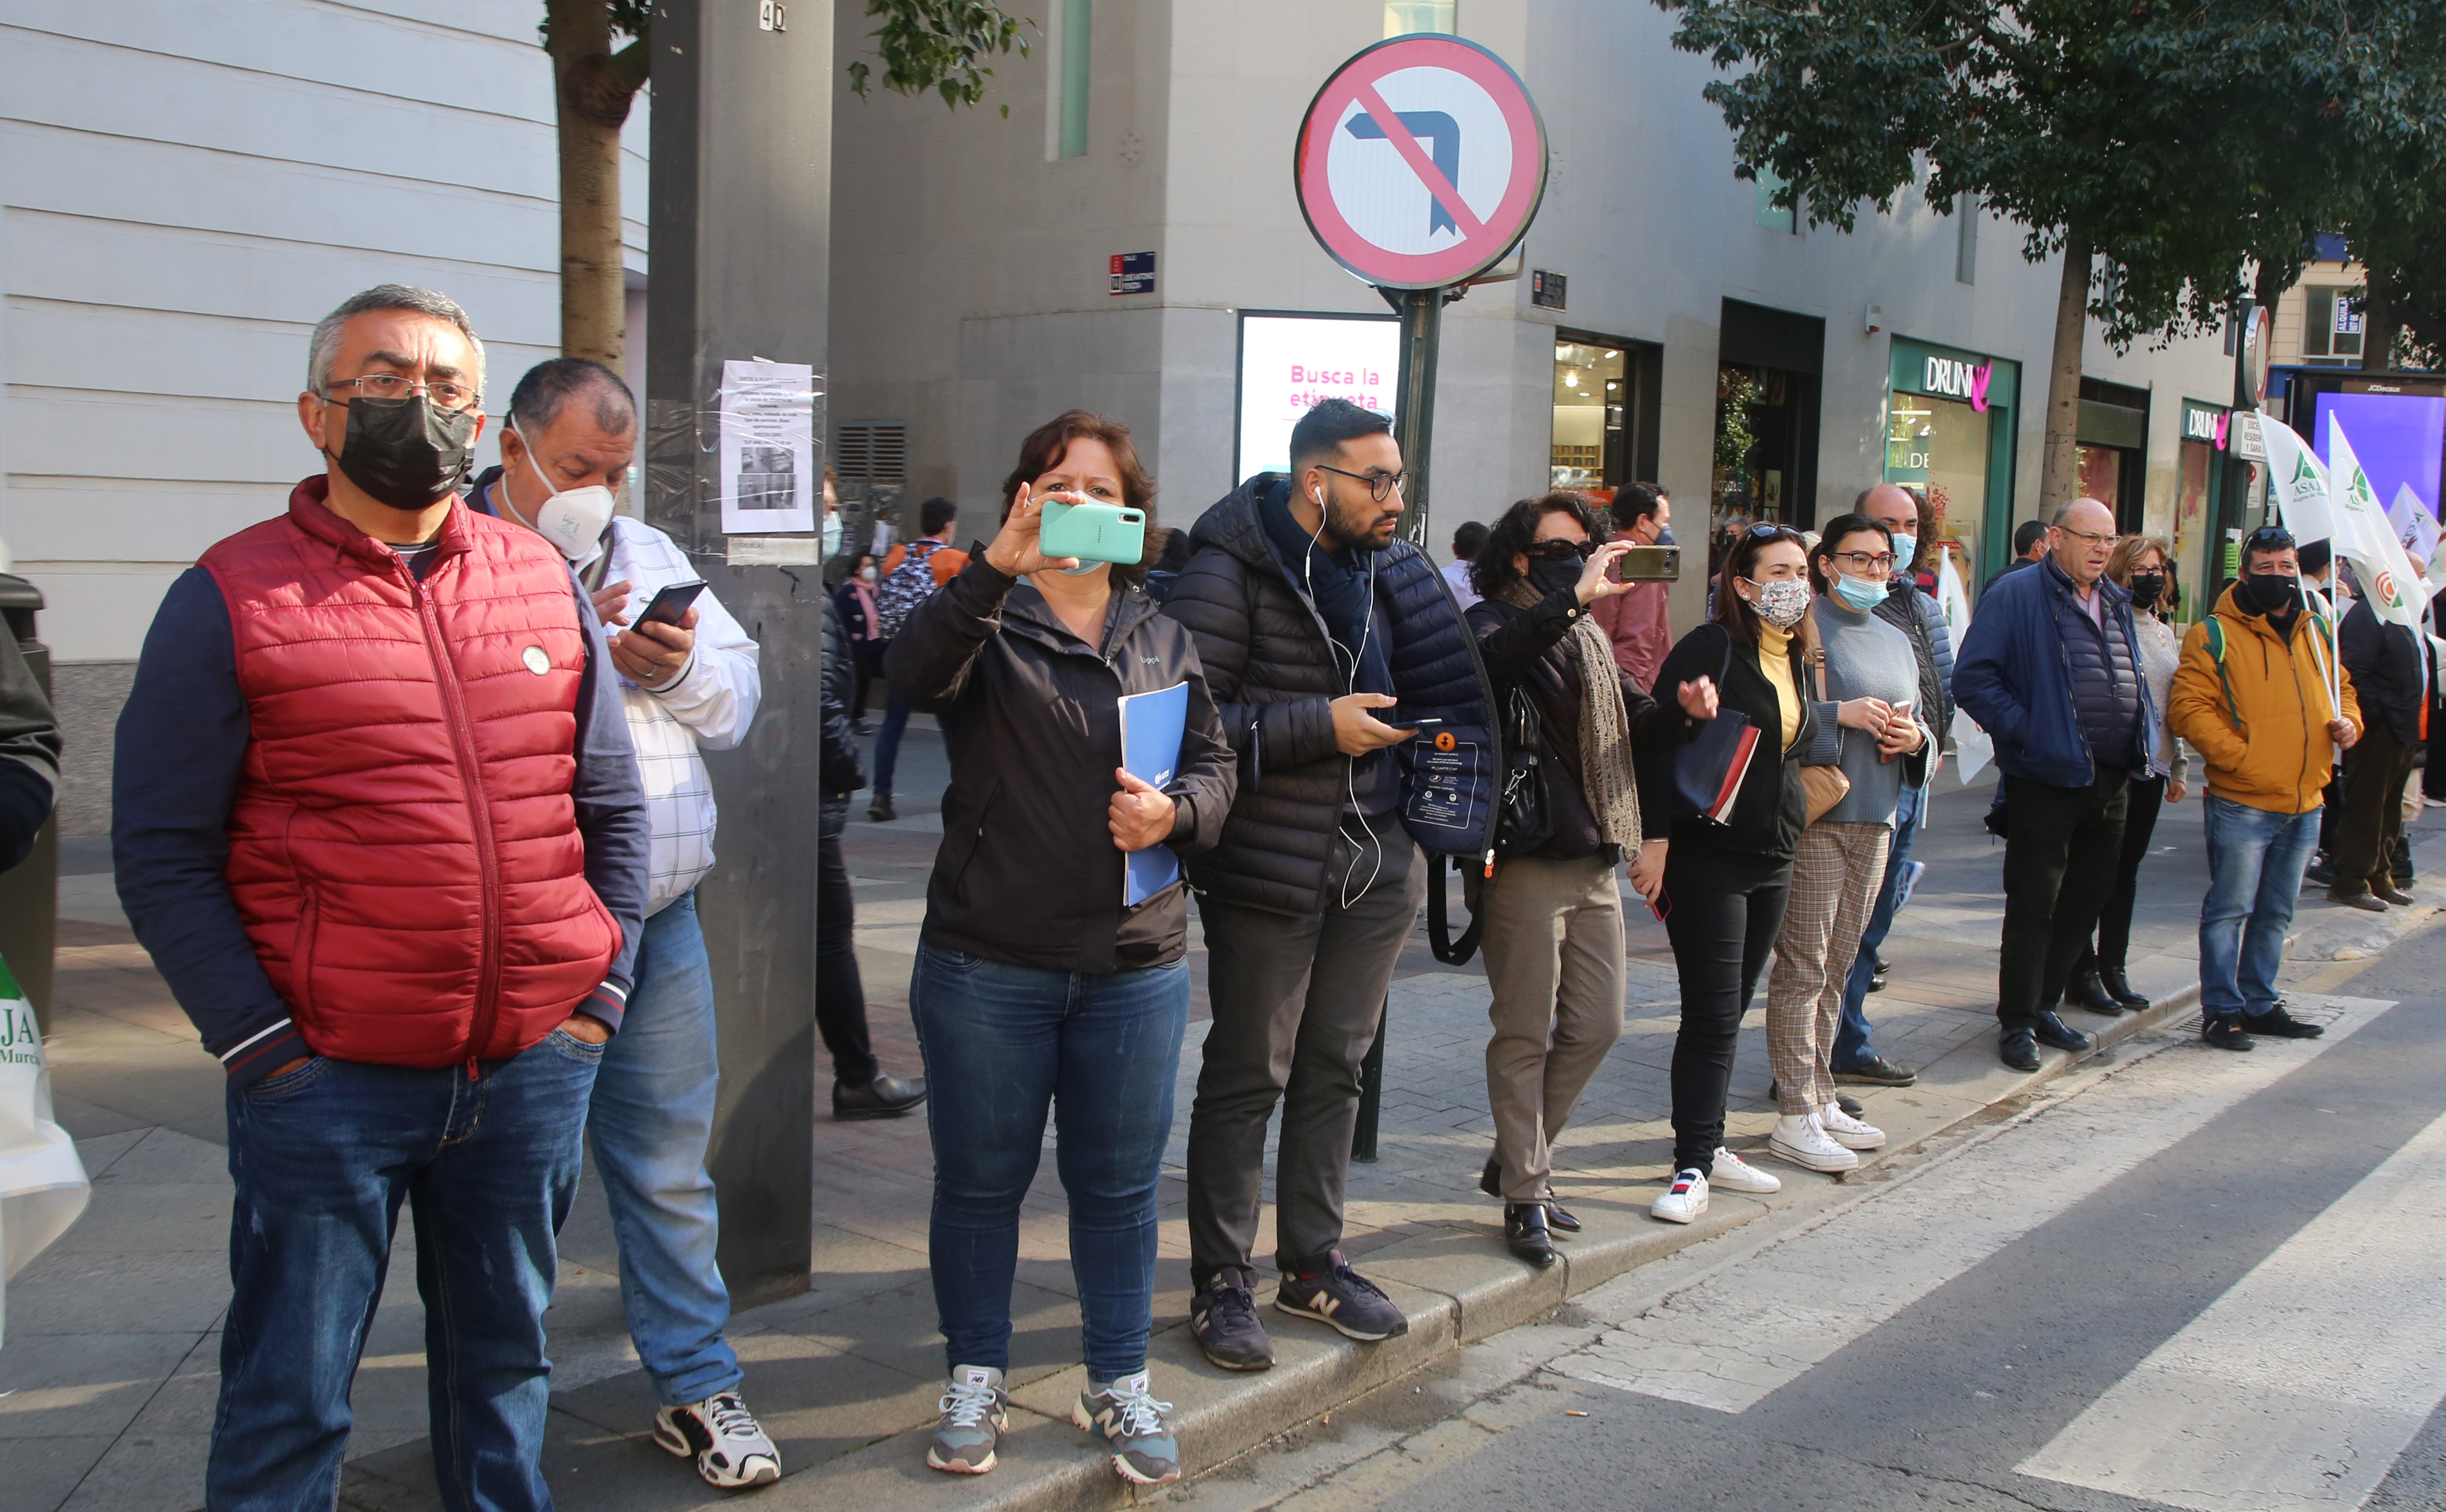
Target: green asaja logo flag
[
  {"x": 43, "y": 1185},
  {"x": 2365, "y": 535}
]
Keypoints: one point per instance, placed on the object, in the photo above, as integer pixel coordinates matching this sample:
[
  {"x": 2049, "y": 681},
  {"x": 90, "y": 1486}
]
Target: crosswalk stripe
[
  {"x": 2302, "y": 1383},
  {"x": 1730, "y": 1340}
]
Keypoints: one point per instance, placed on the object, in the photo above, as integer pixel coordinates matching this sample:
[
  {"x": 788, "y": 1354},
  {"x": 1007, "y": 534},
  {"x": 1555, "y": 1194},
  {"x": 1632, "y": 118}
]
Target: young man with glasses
[
  {"x": 1305, "y": 606},
  {"x": 2261, "y": 664},
  {"x": 2051, "y": 668},
  {"x": 378, "y": 821}
]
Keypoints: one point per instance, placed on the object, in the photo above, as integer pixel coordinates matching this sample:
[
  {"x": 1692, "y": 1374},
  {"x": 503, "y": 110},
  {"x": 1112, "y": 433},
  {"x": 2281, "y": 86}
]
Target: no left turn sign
[{"x": 1420, "y": 162}]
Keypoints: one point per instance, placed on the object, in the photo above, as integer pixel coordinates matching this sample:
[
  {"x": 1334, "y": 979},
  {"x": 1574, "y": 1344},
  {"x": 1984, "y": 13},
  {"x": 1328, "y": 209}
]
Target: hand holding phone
[{"x": 670, "y": 604}]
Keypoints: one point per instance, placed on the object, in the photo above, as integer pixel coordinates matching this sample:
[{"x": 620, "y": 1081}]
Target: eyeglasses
[
  {"x": 1380, "y": 485},
  {"x": 1864, "y": 562},
  {"x": 1558, "y": 549},
  {"x": 441, "y": 394},
  {"x": 2109, "y": 540}
]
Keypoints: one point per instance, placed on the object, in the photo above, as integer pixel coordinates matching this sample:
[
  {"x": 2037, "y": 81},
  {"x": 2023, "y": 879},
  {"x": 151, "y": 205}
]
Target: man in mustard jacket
[{"x": 2251, "y": 698}]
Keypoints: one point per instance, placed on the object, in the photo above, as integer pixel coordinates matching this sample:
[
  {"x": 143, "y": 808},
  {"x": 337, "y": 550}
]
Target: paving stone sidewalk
[{"x": 109, "y": 1369}]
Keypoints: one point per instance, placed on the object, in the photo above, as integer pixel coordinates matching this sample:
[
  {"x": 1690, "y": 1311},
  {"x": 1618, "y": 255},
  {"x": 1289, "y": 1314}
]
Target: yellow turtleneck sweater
[{"x": 1775, "y": 660}]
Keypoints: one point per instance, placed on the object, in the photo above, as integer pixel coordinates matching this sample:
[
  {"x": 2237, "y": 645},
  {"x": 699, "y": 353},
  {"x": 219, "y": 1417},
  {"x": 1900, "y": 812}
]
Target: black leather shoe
[
  {"x": 2360, "y": 898},
  {"x": 2054, "y": 1030},
  {"x": 2018, "y": 1050},
  {"x": 1525, "y": 1235},
  {"x": 2086, "y": 991},
  {"x": 883, "y": 1098},
  {"x": 2118, "y": 986},
  {"x": 2320, "y": 871},
  {"x": 2226, "y": 1033},
  {"x": 2278, "y": 1024},
  {"x": 1490, "y": 1181}
]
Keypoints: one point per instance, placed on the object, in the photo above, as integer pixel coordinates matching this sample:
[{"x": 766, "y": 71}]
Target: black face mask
[
  {"x": 403, "y": 452},
  {"x": 1554, "y": 577},
  {"x": 2272, "y": 592},
  {"x": 2146, "y": 587}
]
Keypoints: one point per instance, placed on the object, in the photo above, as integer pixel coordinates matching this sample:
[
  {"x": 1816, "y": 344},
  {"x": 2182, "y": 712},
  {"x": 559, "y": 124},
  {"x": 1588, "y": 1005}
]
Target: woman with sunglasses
[
  {"x": 1868, "y": 679},
  {"x": 1553, "y": 912},
  {"x": 2141, "y": 567},
  {"x": 1719, "y": 880}
]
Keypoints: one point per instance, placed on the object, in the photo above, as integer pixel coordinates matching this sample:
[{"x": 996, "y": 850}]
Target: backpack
[{"x": 907, "y": 587}]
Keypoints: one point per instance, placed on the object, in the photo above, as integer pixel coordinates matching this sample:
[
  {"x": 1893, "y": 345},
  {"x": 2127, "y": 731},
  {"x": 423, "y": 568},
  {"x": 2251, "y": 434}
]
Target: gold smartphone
[{"x": 1649, "y": 564}]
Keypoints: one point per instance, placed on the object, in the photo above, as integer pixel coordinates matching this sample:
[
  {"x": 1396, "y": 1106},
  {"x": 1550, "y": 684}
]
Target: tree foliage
[
  {"x": 937, "y": 45},
  {"x": 2175, "y": 138}
]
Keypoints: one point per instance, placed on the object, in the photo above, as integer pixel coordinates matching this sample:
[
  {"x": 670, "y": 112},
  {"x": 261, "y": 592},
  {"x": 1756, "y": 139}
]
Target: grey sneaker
[
  {"x": 1126, "y": 1416},
  {"x": 976, "y": 1411},
  {"x": 1340, "y": 1295}
]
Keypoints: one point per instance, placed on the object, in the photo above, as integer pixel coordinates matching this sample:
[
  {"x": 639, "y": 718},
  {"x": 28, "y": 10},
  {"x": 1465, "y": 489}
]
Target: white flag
[
  {"x": 2363, "y": 536},
  {"x": 2298, "y": 482},
  {"x": 2415, "y": 524},
  {"x": 43, "y": 1185}
]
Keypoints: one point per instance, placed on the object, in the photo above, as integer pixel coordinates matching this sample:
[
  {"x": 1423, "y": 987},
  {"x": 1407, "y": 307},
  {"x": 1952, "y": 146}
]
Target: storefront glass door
[{"x": 1592, "y": 397}]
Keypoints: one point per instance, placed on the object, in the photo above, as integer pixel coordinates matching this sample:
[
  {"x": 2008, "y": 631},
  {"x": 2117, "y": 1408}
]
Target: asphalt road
[{"x": 2193, "y": 1280}]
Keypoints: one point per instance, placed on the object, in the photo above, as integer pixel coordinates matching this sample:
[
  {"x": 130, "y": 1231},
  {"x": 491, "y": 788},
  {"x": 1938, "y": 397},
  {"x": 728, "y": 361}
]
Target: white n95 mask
[{"x": 573, "y": 521}]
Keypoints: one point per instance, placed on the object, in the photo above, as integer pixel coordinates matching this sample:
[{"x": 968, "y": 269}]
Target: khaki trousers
[
  {"x": 1835, "y": 879},
  {"x": 1554, "y": 960}
]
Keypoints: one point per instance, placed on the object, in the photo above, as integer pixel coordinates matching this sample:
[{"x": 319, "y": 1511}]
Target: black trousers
[
  {"x": 869, "y": 657},
  {"x": 2376, "y": 770},
  {"x": 1722, "y": 911},
  {"x": 840, "y": 997},
  {"x": 2060, "y": 854},
  {"x": 2144, "y": 797}
]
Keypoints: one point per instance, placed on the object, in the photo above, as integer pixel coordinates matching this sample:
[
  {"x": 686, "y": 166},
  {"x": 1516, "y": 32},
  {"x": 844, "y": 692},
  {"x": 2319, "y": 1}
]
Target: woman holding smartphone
[
  {"x": 1868, "y": 677},
  {"x": 1719, "y": 882},
  {"x": 1554, "y": 952},
  {"x": 1035, "y": 986}
]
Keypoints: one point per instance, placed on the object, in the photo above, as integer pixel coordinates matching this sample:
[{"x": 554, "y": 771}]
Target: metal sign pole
[{"x": 1414, "y": 408}]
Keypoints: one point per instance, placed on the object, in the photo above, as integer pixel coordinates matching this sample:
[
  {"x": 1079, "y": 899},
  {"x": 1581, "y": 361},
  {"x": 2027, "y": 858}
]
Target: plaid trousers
[{"x": 1835, "y": 879}]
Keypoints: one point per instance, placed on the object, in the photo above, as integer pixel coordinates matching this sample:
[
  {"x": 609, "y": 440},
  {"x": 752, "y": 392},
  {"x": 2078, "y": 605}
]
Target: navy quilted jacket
[{"x": 2017, "y": 672}]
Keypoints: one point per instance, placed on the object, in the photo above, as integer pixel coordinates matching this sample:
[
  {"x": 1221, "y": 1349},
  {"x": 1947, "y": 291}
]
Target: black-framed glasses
[
  {"x": 440, "y": 394},
  {"x": 1380, "y": 485},
  {"x": 1864, "y": 563},
  {"x": 1558, "y": 549}
]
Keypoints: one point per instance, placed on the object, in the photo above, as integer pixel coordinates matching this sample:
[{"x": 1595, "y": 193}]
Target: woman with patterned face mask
[{"x": 1718, "y": 882}]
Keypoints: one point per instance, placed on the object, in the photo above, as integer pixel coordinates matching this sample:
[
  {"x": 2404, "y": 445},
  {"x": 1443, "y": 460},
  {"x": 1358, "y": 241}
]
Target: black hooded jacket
[
  {"x": 1264, "y": 648},
  {"x": 1028, "y": 872}
]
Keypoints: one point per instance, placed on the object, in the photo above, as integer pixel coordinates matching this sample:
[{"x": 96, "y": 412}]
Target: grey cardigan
[{"x": 1866, "y": 658}]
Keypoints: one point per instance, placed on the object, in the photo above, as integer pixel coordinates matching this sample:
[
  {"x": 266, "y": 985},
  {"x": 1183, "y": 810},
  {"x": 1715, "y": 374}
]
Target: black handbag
[{"x": 1523, "y": 821}]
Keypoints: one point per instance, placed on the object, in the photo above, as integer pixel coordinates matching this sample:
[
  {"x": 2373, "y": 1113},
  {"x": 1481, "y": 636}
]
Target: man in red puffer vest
[{"x": 377, "y": 819}]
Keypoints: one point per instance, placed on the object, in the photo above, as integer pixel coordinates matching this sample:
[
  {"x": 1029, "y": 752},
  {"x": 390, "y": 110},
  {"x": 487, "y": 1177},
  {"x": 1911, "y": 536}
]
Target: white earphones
[{"x": 1351, "y": 769}]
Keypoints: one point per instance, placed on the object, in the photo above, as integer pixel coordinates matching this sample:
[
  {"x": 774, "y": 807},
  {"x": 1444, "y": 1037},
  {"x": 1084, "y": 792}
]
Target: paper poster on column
[{"x": 771, "y": 477}]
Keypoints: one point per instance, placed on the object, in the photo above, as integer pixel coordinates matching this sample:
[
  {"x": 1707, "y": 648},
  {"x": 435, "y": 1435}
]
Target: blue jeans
[
  {"x": 1001, "y": 1043},
  {"x": 1851, "y": 1046},
  {"x": 650, "y": 1117},
  {"x": 322, "y": 1157},
  {"x": 887, "y": 741},
  {"x": 2255, "y": 864}
]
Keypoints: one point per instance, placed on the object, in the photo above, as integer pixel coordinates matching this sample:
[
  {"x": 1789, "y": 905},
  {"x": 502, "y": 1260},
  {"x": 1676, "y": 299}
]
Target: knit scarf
[{"x": 1607, "y": 776}]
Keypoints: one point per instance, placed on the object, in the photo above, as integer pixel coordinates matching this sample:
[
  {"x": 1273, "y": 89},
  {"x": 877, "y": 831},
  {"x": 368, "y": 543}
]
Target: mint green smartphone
[{"x": 1093, "y": 532}]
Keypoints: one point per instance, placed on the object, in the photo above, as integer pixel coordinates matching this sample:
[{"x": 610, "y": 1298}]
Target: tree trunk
[
  {"x": 2379, "y": 322},
  {"x": 592, "y": 91},
  {"x": 2060, "y": 457}
]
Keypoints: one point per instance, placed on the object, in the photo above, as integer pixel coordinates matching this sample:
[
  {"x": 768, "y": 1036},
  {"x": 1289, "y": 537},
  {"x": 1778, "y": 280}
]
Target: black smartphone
[
  {"x": 1402, "y": 721},
  {"x": 671, "y": 605}
]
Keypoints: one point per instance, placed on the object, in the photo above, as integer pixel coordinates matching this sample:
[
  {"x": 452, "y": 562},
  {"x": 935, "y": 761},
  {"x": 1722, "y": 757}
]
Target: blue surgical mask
[
  {"x": 1665, "y": 535},
  {"x": 1904, "y": 547},
  {"x": 1858, "y": 594}
]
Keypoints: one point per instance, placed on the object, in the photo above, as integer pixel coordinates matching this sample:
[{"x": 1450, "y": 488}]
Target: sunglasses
[
  {"x": 2269, "y": 538},
  {"x": 1561, "y": 550}
]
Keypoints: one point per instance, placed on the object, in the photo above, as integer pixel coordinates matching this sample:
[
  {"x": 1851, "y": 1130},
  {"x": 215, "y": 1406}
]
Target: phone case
[{"x": 1093, "y": 532}]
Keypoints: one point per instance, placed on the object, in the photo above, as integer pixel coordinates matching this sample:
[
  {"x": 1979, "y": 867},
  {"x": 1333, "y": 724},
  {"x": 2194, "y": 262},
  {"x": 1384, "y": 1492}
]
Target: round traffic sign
[{"x": 1421, "y": 162}]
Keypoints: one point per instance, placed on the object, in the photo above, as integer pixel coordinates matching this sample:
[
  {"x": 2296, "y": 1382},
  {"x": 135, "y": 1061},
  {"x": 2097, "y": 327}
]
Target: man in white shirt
[
  {"x": 1467, "y": 542},
  {"x": 685, "y": 686}
]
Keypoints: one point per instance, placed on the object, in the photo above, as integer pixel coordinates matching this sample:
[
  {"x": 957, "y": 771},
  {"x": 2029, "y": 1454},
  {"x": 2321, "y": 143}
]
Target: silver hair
[{"x": 326, "y": 343}]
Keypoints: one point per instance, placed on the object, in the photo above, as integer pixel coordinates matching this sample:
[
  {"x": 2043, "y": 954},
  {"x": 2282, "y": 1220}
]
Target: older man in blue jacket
[{"x": 2050, "y": 668}]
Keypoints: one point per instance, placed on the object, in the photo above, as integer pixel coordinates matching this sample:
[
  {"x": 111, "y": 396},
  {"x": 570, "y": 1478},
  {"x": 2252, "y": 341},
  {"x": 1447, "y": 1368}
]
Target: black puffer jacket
[
  {"x": 2106, "y": 690},
  {"x": 1028, "y": 872},
  {"x": 1264, "y": 648},
  {"x": 2384, "y": 660},
  {"x": 1529, "y": 647}
]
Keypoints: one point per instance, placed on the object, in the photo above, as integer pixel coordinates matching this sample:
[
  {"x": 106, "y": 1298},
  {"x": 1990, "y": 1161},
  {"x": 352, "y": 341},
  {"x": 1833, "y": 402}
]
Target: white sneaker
[
  {"x": 1848, "y": 1131},
  {"x": 1683, "y": 1201},
  {"x": 1735, "y": 1174},
  {"x": 1800, "y": 1140},
  {"x": 729, "y": 1447}
]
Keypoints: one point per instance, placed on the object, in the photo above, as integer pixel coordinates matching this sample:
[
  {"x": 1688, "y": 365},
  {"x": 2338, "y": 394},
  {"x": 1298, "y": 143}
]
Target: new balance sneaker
[
  {"x": 729, "y": 1445},
  {"x": 1800, "y": 1140},
  {"x": 1848, "y": 1131},
  {"x": 1128, "y": 1418},
  {"x": 1223, "y": 1319},
  {"x": 976, "y": 1411},
  {"x": 1684, "y": 1201},
  {"x": 1735, "y": 1174},
  {"x": 1337, "y": 1294}
]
